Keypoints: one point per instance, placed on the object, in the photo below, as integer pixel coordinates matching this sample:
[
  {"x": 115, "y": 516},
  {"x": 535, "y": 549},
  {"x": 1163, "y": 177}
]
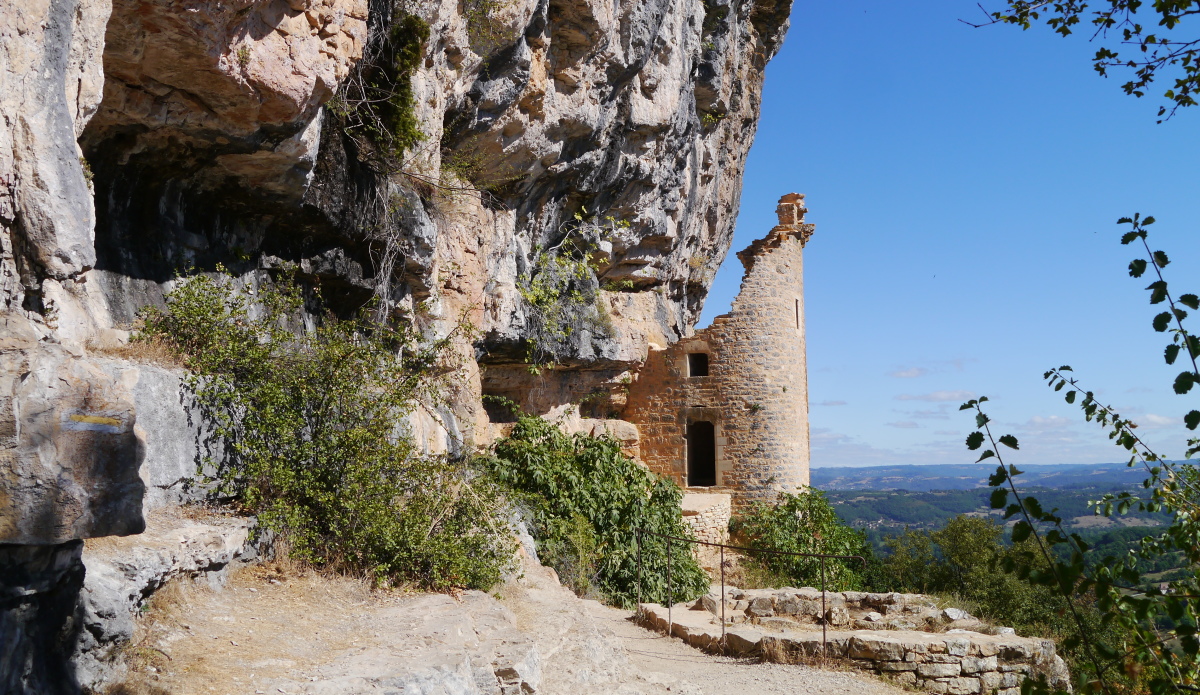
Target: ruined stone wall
[
  {"x": 756, "y": 392},
  {"x": 707, "y": 516}
]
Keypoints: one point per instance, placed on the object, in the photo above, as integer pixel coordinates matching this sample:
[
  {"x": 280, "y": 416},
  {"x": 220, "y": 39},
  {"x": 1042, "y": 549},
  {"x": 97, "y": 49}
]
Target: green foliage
[
  {"x": 804, "y": 523},
  {"x": 562, "y": 293},
  {"x": 376, "y": 103},
  {"x": 965, "y": 561},
  {"x": 484, "y": 31},
  {"x": 311, "y": 426},
  {"x": 1149, "y": 638},
  {"x": 567, "y": 480},
  {"x": 1151, "y": 30}
]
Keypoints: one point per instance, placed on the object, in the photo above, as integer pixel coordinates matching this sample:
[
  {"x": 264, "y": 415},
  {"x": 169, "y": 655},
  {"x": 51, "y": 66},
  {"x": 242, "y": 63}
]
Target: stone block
[
  {"x": 963, "y": 686},
  {"x": 973, "y": 664},
  {"x": 761, "y": 608},
  {"x": 958, "y": 646},
  {"x": 929, "y": 670},
  {"x": 897, "y": 666},
  {"x": 876, "y": 648},
  {"x": 741, "y": 641}
]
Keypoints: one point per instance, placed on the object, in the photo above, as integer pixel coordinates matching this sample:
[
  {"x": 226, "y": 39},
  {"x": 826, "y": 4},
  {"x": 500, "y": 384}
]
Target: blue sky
[{"x": 965, "y": 184}]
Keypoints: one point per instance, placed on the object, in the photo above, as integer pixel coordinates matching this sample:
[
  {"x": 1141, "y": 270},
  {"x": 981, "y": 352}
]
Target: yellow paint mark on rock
[{"x": 97, "y": 420}]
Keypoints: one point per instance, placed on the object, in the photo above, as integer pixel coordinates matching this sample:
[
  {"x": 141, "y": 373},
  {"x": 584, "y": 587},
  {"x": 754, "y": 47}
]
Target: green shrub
[
  {"x": 564, "y": 479},
  {"x": 804, "y": 523},
  {"x": 312, "y": 436}
]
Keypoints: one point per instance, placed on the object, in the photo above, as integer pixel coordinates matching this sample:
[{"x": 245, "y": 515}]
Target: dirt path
[
  {"x": 274, "y": 631},
  {"x": 705, "y": 674}
]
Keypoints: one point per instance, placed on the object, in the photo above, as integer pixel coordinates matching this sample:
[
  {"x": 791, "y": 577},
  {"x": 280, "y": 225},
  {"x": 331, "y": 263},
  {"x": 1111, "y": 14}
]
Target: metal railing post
[
  {"x": 824, "y": 612},
  {"x": 639, "y": 570},
  {"x": 722, "y": 598},
  {"x": 670, "y": 591}
]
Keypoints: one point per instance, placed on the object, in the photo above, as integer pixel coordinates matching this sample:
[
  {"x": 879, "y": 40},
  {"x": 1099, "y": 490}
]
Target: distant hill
[
  {"x": 884, "y": 500},
  {"x": 969, "y": 476}
]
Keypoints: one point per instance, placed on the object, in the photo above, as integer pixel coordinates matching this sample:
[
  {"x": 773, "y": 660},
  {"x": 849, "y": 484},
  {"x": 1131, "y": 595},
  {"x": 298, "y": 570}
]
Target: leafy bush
[
  {"x": 587, "y": 501},
  {"x": 311, "y": 428},
  {"x": 965, "y": 560},
  {"x": 804, "y": 523}
]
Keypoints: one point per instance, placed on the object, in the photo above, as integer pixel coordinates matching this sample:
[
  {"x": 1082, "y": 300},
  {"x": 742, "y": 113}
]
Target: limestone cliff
[{"x": 140, "y": 139}]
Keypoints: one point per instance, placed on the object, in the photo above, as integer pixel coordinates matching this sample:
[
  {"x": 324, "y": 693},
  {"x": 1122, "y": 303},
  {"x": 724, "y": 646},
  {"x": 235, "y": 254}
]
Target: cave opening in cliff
[{"x": 701, "y": 454}]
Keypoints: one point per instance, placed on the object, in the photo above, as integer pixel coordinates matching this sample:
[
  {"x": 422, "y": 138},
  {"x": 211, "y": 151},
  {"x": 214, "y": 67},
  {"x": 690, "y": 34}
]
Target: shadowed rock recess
[{"x": 144, "y": 139}]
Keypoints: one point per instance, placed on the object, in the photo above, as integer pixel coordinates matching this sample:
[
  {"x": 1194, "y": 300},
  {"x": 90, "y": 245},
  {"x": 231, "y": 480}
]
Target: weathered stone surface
[
  {"x": 122, "y": 573},
  {"x": 938, "y": 670},
  {"x": 39, "y": 595},
  {"x": 69, "y": 453},
  {"x": 50, "y": 83}
]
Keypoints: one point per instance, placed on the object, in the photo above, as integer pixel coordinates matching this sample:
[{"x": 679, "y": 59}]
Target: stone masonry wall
[
  {"x": 707, "y": 516},
  {"x": 756, "y": 393},
  {"x": 785, "y": 625}
]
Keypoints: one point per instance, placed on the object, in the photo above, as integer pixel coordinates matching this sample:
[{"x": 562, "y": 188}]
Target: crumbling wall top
[{"x": 791, "y": 225}]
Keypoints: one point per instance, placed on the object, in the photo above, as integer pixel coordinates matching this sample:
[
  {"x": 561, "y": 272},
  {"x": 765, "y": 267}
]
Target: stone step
[{"x": 958, "y": 662}]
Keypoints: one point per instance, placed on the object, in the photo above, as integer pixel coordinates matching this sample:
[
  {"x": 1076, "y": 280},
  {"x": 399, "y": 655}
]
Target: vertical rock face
[
  {"x": 210, "y": 145},
  {"x": 640, "y": 112},
  {"x": 50, "y": 84}
]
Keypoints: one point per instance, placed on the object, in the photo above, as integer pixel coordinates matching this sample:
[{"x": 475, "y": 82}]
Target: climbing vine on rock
[{"x": 562, "y": 293}]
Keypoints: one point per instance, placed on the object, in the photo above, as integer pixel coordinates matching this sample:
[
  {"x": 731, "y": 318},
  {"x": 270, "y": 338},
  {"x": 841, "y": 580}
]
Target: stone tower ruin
[{"x": 726, "y": 410}]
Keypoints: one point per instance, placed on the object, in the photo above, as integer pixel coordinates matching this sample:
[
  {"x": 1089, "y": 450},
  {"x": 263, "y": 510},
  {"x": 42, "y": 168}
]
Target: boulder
[{"x": 952, "y": 614}]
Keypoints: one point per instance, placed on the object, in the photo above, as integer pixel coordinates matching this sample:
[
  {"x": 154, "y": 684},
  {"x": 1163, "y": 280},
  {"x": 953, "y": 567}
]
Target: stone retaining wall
[
  {"x": 707, "y": 515},
  {"x": 955, "y": 662}
]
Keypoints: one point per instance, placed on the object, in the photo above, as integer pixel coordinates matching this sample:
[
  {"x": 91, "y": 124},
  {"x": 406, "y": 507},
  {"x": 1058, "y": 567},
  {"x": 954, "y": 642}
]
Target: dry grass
[
  {"x": 745, "y": 573},
  {"x": 777, "y": 652},
  {"x": 151, "y": 350}
]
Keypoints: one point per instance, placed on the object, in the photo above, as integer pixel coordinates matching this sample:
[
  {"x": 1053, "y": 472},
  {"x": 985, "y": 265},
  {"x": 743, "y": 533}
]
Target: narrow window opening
[
  {"x": 698, "y": 364},
  {"x": 701, "y": 454},
  {"x": 797, "y": 314}
]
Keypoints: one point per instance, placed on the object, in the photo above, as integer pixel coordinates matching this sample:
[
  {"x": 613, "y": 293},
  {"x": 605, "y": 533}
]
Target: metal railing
[{"x": 722, "y": 547}]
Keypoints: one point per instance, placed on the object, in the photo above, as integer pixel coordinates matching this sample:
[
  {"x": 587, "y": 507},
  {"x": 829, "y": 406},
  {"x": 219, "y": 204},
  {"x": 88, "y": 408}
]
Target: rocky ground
[{"x": 276, "y": 629}]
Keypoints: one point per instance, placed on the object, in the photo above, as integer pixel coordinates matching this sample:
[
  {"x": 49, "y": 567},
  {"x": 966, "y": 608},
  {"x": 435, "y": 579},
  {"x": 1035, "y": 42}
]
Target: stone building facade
[{"x": 726, "y": 410}]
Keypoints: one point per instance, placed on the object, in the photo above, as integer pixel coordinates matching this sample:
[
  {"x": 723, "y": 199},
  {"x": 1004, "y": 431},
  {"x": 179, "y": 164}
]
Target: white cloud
[
  {"x": 910, "y": 373},
  {"x": 939, "y": 414},
  {"x": 832, "y": 403},
  {"x": 904, "y": 424},
  {"x": 1037, "y": 423},
  {"x": 1151, "y": 421},
  {"x": 937, "y": 396}
]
